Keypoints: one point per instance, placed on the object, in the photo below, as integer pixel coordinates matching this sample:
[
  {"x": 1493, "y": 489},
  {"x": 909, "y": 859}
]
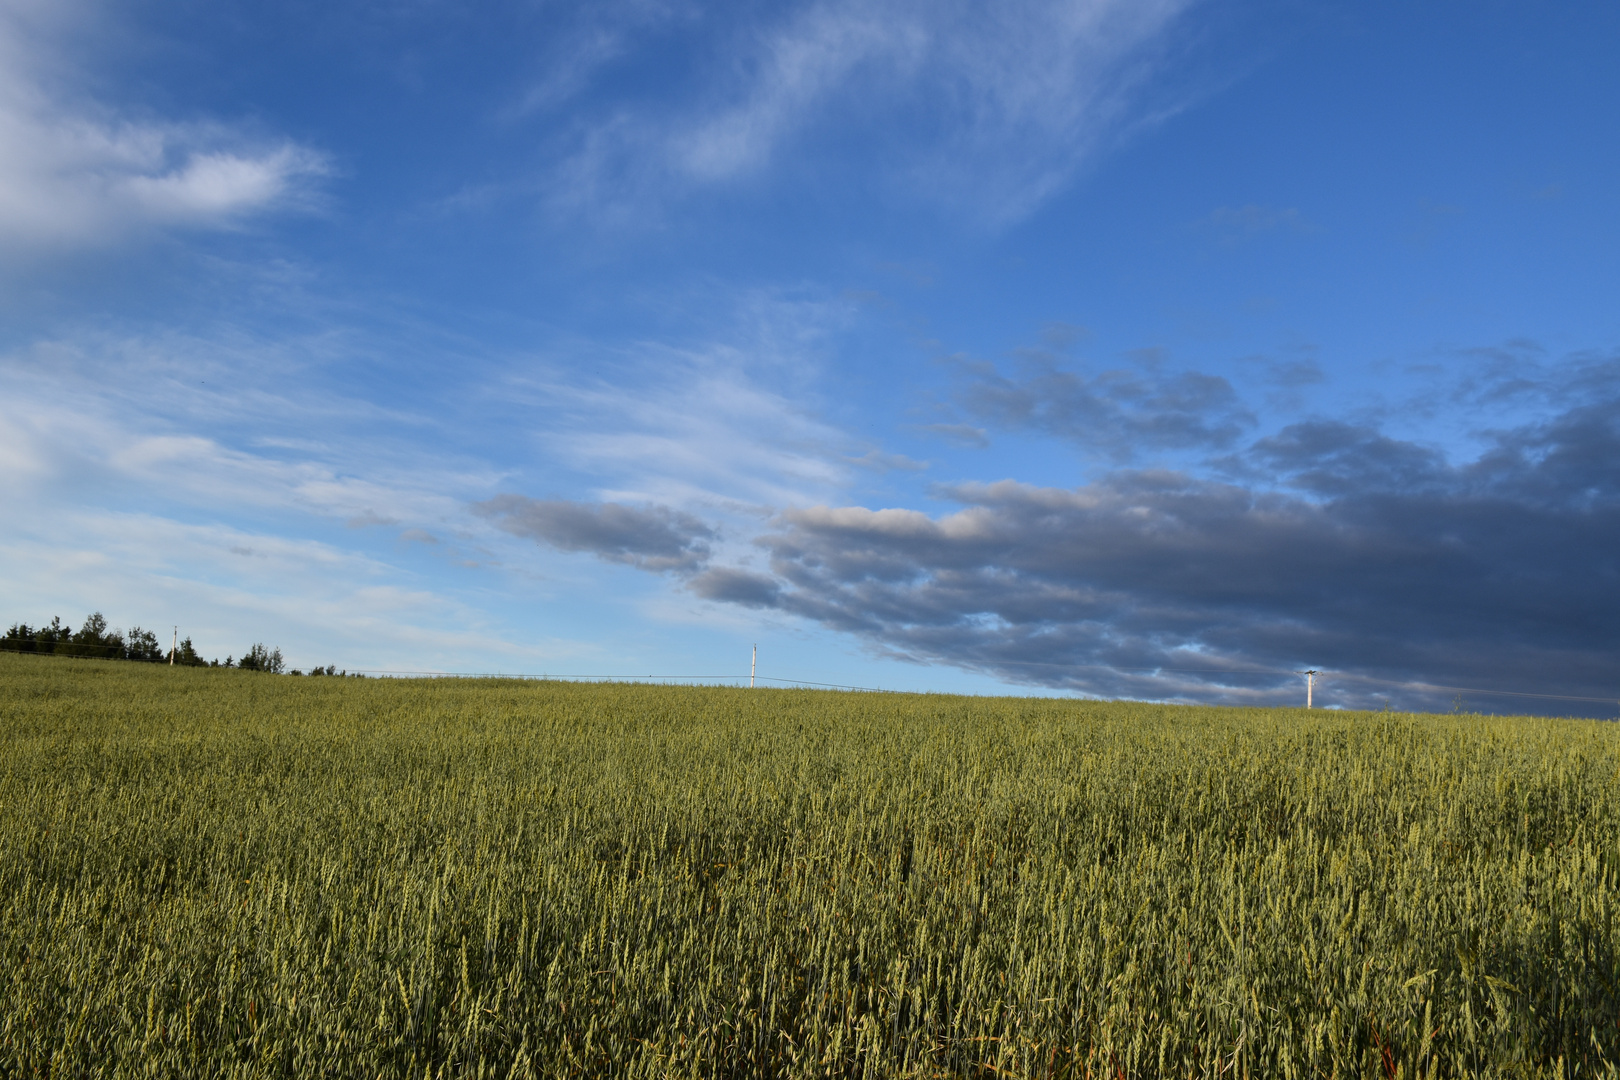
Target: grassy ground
[{"x": 208, "y": 872}]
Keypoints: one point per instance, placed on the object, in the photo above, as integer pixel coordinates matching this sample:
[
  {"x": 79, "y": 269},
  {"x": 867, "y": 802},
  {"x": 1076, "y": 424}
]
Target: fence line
[
  {"x": 1322, "y": 673},
  {"x": 1412, "y": 686},
  {"x": 71, "y": 650},
  {"x": 622, "y": 678},
  {"x": 1425, "y": 687},
  {"x": 63, "y": 648}
]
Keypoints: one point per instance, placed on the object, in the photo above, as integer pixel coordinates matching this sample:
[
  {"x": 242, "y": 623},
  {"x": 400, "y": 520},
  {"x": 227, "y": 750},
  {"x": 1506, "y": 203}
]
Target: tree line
[{"x": 96, "y": 640}]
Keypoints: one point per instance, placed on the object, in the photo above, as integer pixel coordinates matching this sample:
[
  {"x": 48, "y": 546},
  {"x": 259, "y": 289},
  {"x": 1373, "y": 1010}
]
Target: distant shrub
[
  {"x": 96, "y": 640},
  {"x": 259, "y": 658}
]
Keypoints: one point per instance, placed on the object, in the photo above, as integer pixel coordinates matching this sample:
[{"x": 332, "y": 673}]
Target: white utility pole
[
  {"x": 174, "y": 646},
  {"x": 753, "y": 666},
  {"x": 1310, "y": 684}
]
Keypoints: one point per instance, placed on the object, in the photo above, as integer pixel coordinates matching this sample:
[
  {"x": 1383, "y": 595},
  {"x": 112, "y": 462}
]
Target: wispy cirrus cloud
[
  {"x": 985, "y": 110},
  {"x": 966, "y": 435},
  {"x": 1117, "y": 414},
  {"x": 653, "y": 451},
  {"x": 228, "y": 424},
  {"x": 734, "y": 416},
  {"x": 1232, "y": 225},
  {"x": 75, "y": 171},
  {"x": 205, "y": 482},
  {"x": 592, "y": 37}
]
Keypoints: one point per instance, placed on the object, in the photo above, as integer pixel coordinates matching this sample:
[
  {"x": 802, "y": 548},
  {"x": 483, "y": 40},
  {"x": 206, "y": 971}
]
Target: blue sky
[{"x": 1150, "y": 349}]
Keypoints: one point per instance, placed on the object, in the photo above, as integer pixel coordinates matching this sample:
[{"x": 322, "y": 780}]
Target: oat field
[{"x": 225, "y": 873}]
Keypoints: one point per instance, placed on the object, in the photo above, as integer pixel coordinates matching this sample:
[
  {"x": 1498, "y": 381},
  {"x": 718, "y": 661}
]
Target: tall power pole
[
  {"x": 174, "y": 645},
  {"x": 753, "y": 666},
  {"x": 1310, "y": 684}
]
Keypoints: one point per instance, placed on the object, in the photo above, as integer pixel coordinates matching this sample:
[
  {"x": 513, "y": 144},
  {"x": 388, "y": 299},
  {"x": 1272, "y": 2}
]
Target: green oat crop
[{"x": 222, "y": 873}]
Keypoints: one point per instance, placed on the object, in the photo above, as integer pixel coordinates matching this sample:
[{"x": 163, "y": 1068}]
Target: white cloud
[
  {"x": 76, "y": 172},
  {"x": 216, "y": 186}
]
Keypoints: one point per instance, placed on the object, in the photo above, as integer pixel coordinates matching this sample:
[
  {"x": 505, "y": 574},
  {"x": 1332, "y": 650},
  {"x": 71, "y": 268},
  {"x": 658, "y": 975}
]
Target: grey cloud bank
[
  {"x": 1340, "y": 547},
  {"x": 654, "y": 538},
  {"x": 1324, "y": 544}
]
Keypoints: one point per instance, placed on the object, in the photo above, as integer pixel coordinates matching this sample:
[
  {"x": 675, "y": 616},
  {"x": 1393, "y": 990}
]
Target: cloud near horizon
[{"x": 1342, "y": 547}]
